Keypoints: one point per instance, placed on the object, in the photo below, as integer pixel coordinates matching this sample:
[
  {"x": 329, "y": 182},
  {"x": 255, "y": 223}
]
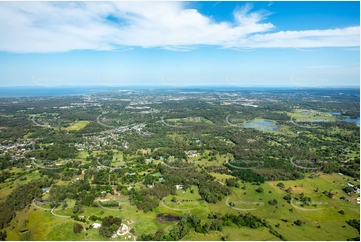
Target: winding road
[
  {"x": 307, "y": 168},
  {"x": 104, "y": 125},
  {"x": 41, "y": 125},
  {"x": 302, "y": 126},
  {"x": 304, "y": 209},
  {"x": 175, "y": 209},
  {"x": 44, "y": 167},
  {"x": 229, "y": 123},
  {"x": 173, "y": 126},
  {"x": 176, "y": 168},
  {"x": 240, "y": 209}
]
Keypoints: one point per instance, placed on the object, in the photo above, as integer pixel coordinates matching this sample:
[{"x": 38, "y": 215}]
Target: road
[
  {"x": 40, "y": 125},
  {"x": 304, "y": 209},
  {"x": 234, "y": 125},
  {"x": 173, "y": 126}
]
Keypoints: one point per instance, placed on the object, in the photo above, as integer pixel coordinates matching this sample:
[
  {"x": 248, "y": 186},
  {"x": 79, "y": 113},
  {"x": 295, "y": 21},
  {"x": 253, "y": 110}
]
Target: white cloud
[{"x": 65, "y": 26}]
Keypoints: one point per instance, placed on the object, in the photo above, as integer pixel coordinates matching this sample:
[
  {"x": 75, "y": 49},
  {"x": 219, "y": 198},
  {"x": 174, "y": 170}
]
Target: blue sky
[{"x": 306, "y": 44}]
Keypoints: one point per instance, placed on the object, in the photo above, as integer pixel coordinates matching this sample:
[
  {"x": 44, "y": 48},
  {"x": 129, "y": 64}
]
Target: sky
[{"x": 180, "y": 44}]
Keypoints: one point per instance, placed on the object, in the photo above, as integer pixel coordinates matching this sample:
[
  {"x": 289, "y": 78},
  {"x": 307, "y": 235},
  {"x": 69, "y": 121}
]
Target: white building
[
  {"x": 179, "y": 187},
  {"x": 96, "y": 225}
]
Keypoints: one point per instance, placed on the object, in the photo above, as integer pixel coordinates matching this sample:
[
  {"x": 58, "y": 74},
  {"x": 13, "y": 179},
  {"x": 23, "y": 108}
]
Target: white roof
[{"x": 96, "y": 225}]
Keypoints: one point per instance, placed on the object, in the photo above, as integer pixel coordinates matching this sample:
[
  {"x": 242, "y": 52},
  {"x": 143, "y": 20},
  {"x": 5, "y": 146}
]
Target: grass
[
  {"x": 29, "y": 177},
  {"x": 83, "y": 154},
  {"x": 302, "y": 115},
  {"x": 44, "y": 226},
  {"x": 211, "y": 236},
  {"x": 220, "y": 177},
  {"x": 328, "y": 217},
  {"x": 188, "y": 120},
  {"x": 249, "y": 234},
  {"x": 77, "y": 126},
  {"x": 186, "y": 202},
  {"x": 6, "y": 189}
]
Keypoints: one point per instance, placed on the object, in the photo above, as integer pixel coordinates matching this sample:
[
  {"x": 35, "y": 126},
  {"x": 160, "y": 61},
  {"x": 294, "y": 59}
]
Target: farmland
[{"x": 183, "y": 170}]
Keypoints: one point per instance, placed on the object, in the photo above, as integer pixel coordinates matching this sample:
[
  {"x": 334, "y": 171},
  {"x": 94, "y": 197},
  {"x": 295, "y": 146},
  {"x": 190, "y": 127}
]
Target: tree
[
  {"x": 174, "y": 233},
  {"x": 259, "y": 190},
  {"x": 287, "y": 197},
  {"x": 3, "y": 235},
  {"x": 272, "y": 202},
  {"x": 298, "y": 222},
  {"x": 110, "y": 224},
  {"x": 78, "y": 209},
  {"x": 77, "y": 228},
  {"x": 225, "y": 237},
  {"x": 65, "y": 204},
  {"x": 281, "y": 185}
]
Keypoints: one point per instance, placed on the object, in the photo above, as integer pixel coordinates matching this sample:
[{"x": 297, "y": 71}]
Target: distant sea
[
  {"x": 50, "y": 91},
  {"x": 37, "y": 91}
]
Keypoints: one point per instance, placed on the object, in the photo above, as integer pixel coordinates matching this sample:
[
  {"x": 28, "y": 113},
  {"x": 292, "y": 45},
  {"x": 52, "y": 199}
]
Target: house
[
  {"x": 191, "y": 153},
  {"x": 179, "y": 187},
  {"x": 96, "y": 225},
  {"x": 46, "y": 189}
]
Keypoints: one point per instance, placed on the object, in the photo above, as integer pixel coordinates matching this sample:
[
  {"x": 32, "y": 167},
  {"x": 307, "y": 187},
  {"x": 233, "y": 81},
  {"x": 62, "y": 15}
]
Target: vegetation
[
  {"x": 183, "y": 168},
  {"x": 110, "y": 225}
]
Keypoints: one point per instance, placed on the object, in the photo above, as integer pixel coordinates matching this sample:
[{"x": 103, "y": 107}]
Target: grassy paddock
[{"x": 77, "y": 126}]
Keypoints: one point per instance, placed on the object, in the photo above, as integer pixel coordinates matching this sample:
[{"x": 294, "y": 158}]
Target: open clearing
[{"x": 77, "y": 126}]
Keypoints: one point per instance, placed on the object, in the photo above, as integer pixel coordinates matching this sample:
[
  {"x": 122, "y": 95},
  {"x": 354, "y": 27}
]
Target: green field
[
  {"x": 188, "y": 120},
  {"x": 302, "y": 115},
  {"x": 77, "y": 126}
]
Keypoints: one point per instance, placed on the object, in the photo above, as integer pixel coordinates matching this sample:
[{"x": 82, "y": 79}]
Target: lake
[
  {"x": 349, "y": 120},
  {"x": 334, "y": 113},
  {"x": 352, "y": 120},
  {"x": 261, "y": 124}
]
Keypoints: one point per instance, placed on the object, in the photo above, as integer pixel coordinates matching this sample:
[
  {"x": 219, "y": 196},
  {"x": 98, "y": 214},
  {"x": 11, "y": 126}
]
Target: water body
[
  {"x": 305, "y": 113},
  {"x": 348, "y": 120},
  {"x": 261, "y": 124},
  {"x": 49, "y": 91},
  {"x": 352, "y": 120},
  {"x": 334, "y": 113}
]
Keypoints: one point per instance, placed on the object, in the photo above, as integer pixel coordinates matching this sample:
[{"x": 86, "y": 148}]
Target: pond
[
  {"x": 352, "y": 120},
  {"x": 261, "y": 124},
  {"x": 167, "y": 218},
  {"x": 334, "y": 113},
  {"x": 349, "y": 120}
]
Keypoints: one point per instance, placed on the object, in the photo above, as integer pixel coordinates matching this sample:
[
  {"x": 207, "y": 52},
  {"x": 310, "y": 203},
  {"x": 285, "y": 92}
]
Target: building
[
  {"x": 179, "y": 187},
  {"x": 96, "y": 225},
  {"x": 46, "y": 189}
]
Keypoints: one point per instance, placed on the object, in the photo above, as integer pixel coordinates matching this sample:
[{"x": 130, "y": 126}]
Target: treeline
[
  {"x": 209, "y": 190},
  {"x": 147, "y": 199},
  {"x": 54, "y": 152},
  {"x": 109, "y": 226},
  {"x": 216, "y": 222},
  {"x": 81, "y": 191},
  {"x": 14, "y": 127},
  {"x": 247, "y": 175},
  {"x": 18, "y": 199}
]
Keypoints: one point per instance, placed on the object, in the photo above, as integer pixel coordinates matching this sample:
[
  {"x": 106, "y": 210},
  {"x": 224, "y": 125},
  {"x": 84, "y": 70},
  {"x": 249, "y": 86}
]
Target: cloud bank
[{"x": 64, "y": 26}]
